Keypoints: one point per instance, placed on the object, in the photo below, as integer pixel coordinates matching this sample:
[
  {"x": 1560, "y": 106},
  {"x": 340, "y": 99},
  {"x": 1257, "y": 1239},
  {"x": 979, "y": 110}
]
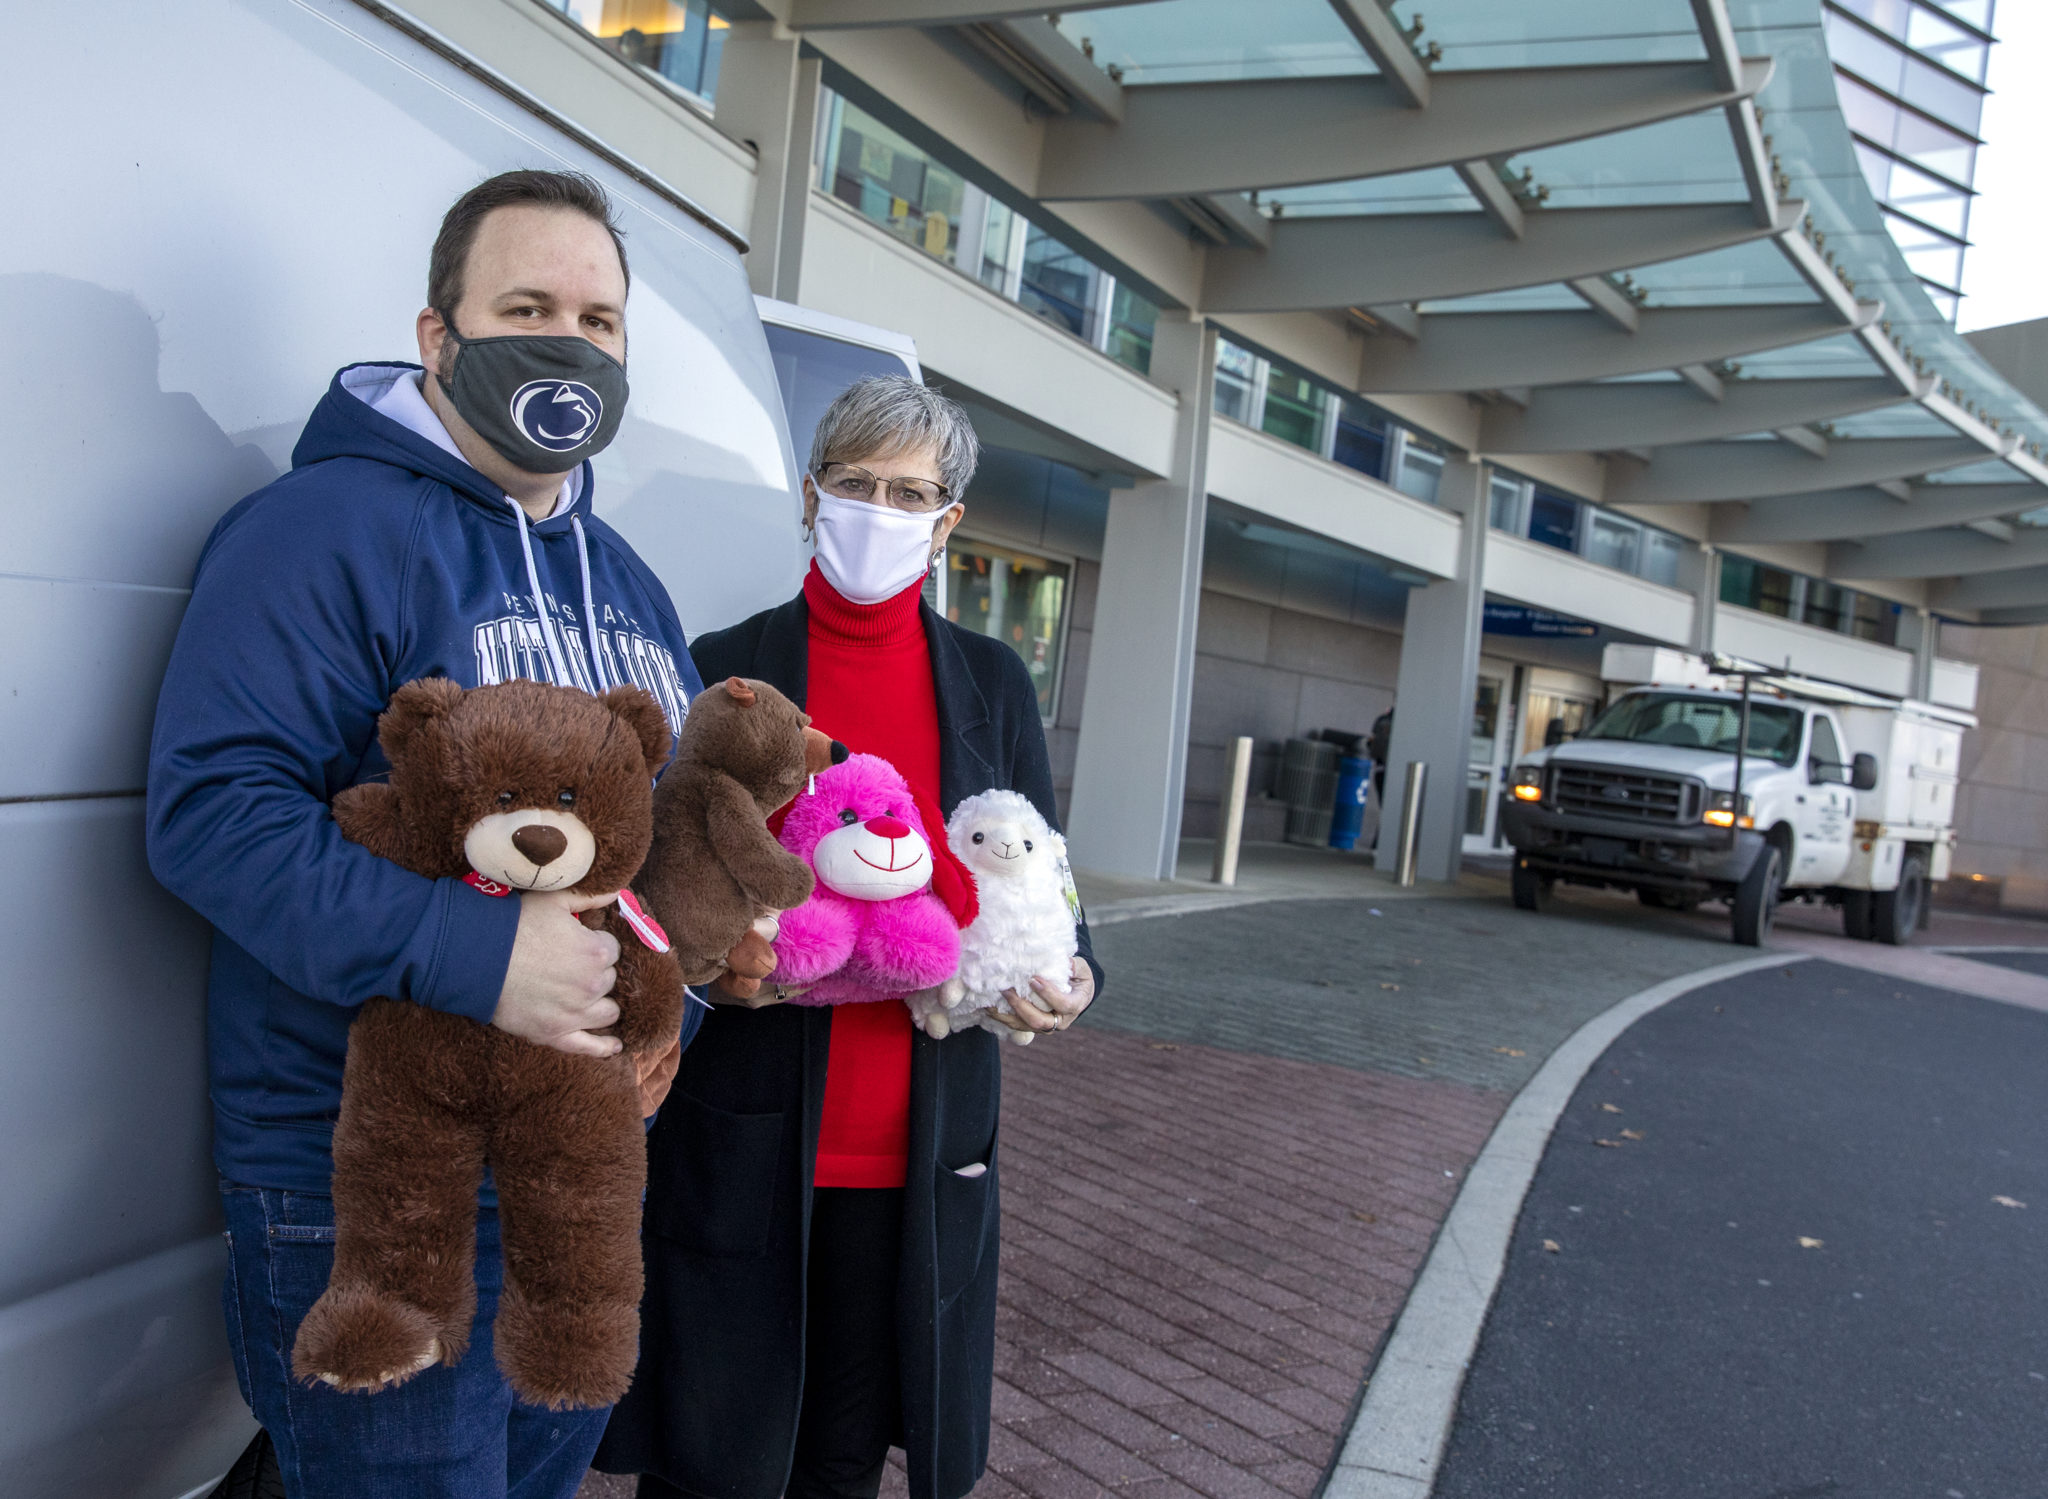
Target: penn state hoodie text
[{"x": 380, "y": 558}]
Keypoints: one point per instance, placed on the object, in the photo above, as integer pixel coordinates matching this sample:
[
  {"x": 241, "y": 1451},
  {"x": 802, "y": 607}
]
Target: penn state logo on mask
[{"x": 557, "y": 414}]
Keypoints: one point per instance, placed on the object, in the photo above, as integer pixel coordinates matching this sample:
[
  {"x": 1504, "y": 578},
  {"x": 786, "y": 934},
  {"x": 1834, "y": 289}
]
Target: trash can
[
  {"x": 1308, "y": 785},
  {"x": 1354, "y": 780}
]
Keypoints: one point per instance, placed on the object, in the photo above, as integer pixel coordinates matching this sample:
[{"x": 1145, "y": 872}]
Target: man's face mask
[{"x": 543, "y": 402}]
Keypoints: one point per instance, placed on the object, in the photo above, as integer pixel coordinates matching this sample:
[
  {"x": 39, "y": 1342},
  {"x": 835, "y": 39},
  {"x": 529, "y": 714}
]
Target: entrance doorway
[
  {"x": 1493, "y": 748},
  {"x": 1556, "y": 705}
]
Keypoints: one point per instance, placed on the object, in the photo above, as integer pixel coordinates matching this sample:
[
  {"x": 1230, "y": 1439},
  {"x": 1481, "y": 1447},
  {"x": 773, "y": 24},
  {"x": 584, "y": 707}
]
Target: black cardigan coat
[{"x": 713, "y": 1407}]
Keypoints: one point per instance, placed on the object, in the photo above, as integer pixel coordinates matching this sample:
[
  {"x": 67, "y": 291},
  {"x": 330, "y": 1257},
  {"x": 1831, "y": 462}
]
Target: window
[
  {"x": 1754, "y": 586},
  {"x": 677, "y": 40},
  {"x": 1875, "y": 619},
  {"x": 1016, "y": 597},
  {"x": 1504, "y": 504},
  {"x": 812, "y": 370},
  {"x": 1131, "y": 321},
  {"x": 1237, "y": 379},
  {"x": 888, "y": 180},
  {"x": 1057, "y": 283},
  {"x": 1708, "y": 723},
  {"x": 1360, "y": 441},
  {"x": 1825, "y": 753},
  {"x": 1613, "y": 542},
  {"x": 1294, "y": 410},
  {"x": 1422, "y": 469},
  {"x": 1661, "y": 552},
  {"x": 1554, "y": 520}
]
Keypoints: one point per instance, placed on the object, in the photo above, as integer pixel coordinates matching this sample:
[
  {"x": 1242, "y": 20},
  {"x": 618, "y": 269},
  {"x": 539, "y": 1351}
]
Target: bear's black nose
[{"x": 540, "y": 843}]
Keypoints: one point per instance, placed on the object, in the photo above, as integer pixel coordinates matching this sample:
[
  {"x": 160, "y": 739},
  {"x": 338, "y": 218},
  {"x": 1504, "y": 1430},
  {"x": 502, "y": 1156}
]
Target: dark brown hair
[{"x": 570, "y": 190}]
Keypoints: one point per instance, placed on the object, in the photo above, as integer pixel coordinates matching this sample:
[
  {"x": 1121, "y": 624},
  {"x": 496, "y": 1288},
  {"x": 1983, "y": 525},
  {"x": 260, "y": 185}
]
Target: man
[{"x": 432, "y": 524}]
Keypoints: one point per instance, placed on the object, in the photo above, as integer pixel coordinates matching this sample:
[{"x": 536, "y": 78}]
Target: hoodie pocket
[
  {"x": 713, "y": 1178},
  {"x": 963, "y": 1204}
]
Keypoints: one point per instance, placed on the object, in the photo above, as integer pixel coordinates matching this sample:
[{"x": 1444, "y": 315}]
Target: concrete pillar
[
  {"x": 1130, "y": 767},
  {"x": 1705, "y": 585},
  {"x": 1434, "y": 688},
  {"x": 1920, "y": 633},
  {"x": 768, "y": 100}
]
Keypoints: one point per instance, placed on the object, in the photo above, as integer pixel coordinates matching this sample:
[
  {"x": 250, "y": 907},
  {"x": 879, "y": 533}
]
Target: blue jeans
[{"x": 447, "y": 1433}]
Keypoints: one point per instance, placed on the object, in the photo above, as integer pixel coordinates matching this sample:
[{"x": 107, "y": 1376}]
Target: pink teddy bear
[{"x": 872, "y": 929}]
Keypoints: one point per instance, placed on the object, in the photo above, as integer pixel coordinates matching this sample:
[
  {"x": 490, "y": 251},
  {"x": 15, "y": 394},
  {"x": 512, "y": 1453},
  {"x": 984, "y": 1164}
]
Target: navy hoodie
[{"x": 380, "y": 558}]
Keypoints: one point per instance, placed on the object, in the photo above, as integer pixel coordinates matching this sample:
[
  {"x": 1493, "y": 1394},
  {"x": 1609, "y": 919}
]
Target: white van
[{"x": 212, "y": 206}]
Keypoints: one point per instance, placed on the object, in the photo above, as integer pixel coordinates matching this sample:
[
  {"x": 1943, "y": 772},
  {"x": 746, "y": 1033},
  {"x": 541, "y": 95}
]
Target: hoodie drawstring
[
  {"x": 589, "y": 609},
  {"x": 549, "y": 630}
]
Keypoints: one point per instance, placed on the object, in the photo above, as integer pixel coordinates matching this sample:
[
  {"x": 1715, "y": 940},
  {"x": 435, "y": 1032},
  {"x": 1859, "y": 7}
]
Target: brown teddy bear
[
  {"x": 514, "y": 786},
  {"x": 717, "y": 876}
]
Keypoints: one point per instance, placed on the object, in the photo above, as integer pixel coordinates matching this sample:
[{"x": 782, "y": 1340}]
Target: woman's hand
[
  {"x": 749, "y": 963},
  {"x": 1053, "y": 1008}
]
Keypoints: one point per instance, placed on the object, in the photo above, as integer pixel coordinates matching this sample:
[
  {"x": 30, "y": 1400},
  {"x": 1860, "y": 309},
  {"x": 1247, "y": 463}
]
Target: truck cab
[{"x": 1844, "y": 797}]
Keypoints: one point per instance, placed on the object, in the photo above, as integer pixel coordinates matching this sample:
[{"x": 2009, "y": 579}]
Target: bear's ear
[
  {"x": 637, "y": 709},
  {"x": 413, "y": 707},
  {"x": 741, "y": 691}
]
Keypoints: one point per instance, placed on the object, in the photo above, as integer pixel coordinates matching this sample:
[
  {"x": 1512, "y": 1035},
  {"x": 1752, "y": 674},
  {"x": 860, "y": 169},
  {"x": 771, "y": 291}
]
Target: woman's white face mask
[{"x": 871, "y": 552}]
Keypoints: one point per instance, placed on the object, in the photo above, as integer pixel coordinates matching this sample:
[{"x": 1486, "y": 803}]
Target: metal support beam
[
  {"x": 1843, "y": 514},
  {"x": 1805, "y": 439},
  {"x": 1719, "y": 36},
  {"x": 1707, "y": 383},
  {"x": 1225, "y": 219},
  {"x": 1056, "y": 72},
  {"x": 1757, "y": 173},
  {"x": 1496, "y": 199},
  {"x": 1359, "y": 260},
  {"x": 1177, "y": 139},
  {"x": 1937, "y": 554},
  {"x": 1607, "y": 299},
  {"x": 2021, "y": 588},
  {"x": 1488, "y": 350},
  {"x": 847, "y": 15},
  {"x": 1602, "y": 418},
  {"x": 1130, "y": 767},
  {"x": 1704, "y": 471},
  {"x": 1387, "y": 45}
]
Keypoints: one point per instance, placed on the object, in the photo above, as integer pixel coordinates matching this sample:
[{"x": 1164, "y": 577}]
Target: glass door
[{"x": 1492, "y": 741}]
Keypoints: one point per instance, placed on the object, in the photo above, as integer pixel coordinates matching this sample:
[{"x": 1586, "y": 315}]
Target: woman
[{"x": 822, "y": 1211}]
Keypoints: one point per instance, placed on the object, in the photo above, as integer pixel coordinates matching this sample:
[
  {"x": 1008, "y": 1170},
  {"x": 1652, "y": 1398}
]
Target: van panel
[{"x": 243, "y": 202}]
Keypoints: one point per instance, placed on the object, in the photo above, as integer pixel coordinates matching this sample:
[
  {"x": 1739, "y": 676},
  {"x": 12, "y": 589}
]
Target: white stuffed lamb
[{"x": 1024, "y": 927}]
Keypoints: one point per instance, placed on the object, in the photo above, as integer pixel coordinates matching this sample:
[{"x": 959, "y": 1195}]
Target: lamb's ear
[
  {"x": 413, "y": 707},
  {"x": 637, "y": 709}
]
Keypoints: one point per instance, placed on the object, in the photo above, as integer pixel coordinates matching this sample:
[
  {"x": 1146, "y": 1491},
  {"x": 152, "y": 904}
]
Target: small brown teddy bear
[
  {"x": 514, "y": 786},
  {"x": 717, "y": 876}
]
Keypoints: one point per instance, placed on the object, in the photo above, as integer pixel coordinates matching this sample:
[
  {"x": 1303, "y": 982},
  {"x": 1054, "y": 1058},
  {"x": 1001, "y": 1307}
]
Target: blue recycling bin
[{"x": 1354, "y": 781}]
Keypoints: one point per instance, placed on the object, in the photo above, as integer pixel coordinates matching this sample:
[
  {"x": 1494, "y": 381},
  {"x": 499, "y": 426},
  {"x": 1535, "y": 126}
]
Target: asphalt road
[{"x": 1802, "y": 1268}]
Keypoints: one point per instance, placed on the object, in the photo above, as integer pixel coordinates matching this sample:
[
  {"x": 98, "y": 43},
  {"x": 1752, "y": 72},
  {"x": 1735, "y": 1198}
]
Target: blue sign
[{"x": 1520, "y": 619}]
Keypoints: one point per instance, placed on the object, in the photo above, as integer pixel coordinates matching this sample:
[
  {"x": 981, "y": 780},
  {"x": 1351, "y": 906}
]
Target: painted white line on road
[{"x": 1396, "y": 1443}]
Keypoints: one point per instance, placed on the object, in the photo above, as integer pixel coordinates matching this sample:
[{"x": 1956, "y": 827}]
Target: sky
[{"x": 2003, "y": 280}]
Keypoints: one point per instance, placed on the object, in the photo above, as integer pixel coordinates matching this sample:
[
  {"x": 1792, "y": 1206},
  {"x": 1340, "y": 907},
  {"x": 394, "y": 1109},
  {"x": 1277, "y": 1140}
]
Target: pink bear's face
[{"x": 860, "y": 831}]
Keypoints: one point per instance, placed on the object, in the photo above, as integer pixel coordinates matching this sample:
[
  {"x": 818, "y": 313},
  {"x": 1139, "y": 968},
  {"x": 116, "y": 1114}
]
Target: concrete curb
[{"x": 1397, "y": 1439}]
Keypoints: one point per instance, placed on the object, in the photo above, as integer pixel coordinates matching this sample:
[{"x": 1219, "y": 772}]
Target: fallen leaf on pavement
[
  {"x": 1365, "y": 1217},
  {"x": 1608, "y": 1108},
  {"x": 1632, "y": 1134},
  {"x": 1510, "y": 1051},
  {"x": 1610, "y": 1144},
  {"x": 1390, "y": 986},
  {"x": 1164, "y": 1046},
  {"x": 2008, "y": 1202},
  {"x": 1806, "y": 1243},
  {"x": 1550, "y": 1246},
  {"x": 1425, "y": 1061}
]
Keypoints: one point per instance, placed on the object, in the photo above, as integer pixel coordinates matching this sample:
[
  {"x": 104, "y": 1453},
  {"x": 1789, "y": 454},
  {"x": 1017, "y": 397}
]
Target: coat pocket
[
  {"x": 963, "y": 1208},
  {"x": 713, "y": 1178}
]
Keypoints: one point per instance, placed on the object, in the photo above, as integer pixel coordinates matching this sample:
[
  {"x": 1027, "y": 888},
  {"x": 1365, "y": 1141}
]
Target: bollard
[
  {"x": 1237, "y": 778},
  {"x": 1411, "y": 822}
]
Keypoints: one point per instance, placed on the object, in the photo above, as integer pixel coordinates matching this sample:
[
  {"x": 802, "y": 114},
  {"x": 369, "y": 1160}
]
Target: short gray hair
[{"x": 888, "y": 413}]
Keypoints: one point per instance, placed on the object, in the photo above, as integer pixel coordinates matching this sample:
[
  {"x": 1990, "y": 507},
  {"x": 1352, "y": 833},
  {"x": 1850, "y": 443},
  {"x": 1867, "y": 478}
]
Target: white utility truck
[{"x": 1832, "y": 794}]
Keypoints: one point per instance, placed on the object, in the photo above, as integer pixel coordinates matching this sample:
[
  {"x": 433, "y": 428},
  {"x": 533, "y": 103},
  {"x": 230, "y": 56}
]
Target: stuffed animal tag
[
  {"x": 1067, "y": 886},
  {"x": 497, "y": 889},
  {"x": 644, "y": 926}
]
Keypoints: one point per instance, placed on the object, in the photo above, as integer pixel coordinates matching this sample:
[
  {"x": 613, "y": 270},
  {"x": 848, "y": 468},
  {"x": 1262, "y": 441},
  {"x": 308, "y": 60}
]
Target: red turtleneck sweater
[{"x": 870, "y": 687}]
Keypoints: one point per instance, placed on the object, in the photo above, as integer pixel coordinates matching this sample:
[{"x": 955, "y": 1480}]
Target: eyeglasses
[{"x": 851, "y": 482}]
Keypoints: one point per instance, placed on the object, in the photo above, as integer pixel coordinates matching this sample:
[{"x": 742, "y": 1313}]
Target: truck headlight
[
  {"x": 1721, "y": 810},
  {"x": 1528, "y": 783}
]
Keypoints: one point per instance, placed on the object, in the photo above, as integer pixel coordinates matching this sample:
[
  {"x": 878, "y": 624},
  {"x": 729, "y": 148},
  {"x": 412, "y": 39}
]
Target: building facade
[{"x": 1331, "y": 357}]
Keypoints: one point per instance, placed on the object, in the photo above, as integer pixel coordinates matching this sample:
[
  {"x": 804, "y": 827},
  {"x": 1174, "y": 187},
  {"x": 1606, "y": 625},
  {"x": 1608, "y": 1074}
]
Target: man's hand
[
  {"x": 1051, "y": 1008},
  {"x": 558, "y": 983},
  {"x": 656, "y": 1074}
]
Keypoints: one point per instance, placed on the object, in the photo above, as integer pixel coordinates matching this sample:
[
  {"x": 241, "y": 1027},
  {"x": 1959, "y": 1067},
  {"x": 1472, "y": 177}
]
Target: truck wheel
[
  {"x": 1856, "y": 915},
  {"x": 1756, "y": 898},
  {"x": 1895, "y": 913},
  {"x": 1531, "y": 890}
]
